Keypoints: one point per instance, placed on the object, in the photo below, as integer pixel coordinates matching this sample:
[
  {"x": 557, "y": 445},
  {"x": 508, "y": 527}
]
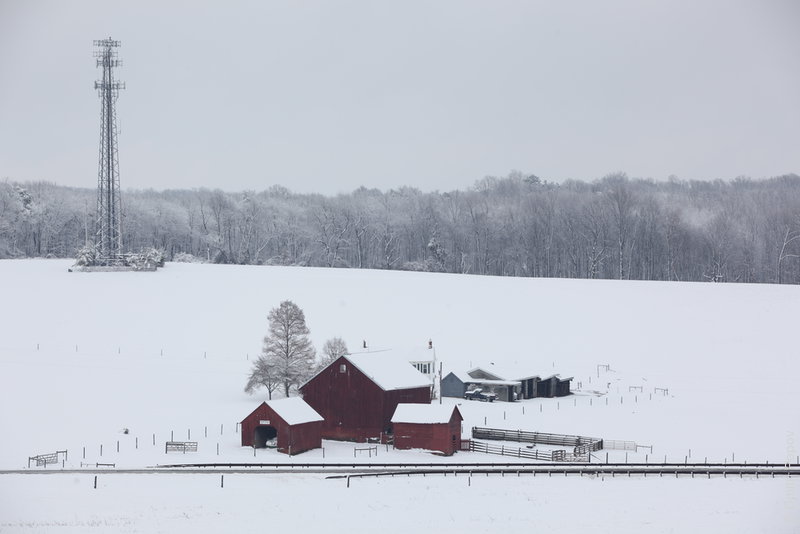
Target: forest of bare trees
[{"x": 614, "y": 228}]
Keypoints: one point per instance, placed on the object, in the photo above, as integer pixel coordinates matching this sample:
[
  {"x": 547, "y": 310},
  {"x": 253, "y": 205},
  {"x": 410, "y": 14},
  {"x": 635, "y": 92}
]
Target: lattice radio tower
[{"x": 108, "y": 232}]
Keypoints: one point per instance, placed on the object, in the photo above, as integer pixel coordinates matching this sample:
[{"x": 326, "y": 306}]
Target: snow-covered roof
[
  {"x": 389, "y": 372},
  {"x": 294, "y": 410},
  {"x": 464, "y": 377},
  {"x": 415, "y": 354},
  {"x": 514, "y": 371},
  {"x": 488, "y": 382},
  {"x": 489, "y": 369},
  {"x": 426, "y": 414}
]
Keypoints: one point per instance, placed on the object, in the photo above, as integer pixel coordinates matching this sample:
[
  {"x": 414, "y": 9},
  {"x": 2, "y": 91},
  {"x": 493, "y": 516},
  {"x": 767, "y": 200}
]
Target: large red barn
[
  {"x": 291, "y": 424},
  {"x": 357, "y": 394},
  {"x": 434, "y": 427}
]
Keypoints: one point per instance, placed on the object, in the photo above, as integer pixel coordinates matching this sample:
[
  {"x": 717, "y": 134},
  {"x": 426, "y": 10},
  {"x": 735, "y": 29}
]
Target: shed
[
  {"x": 434, "y": 427},
  {"x": 454, "y": 385},
  {"x": 290, "y": 424},
  {"x": 530, "y": 385},
  {"x": 553, "y": 386},
  {"x": 357, "y": 394}
]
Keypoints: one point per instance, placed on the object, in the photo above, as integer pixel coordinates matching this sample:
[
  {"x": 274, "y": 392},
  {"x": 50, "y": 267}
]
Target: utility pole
[
  {"x": 108, "y": 224},
  {"x": 440, "y": 382}
]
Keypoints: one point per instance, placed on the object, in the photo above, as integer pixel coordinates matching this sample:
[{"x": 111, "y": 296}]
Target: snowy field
[{"x": 172, "y": 360}]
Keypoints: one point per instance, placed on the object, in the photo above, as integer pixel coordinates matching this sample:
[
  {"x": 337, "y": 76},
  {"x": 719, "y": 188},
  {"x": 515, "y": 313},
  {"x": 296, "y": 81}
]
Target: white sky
[{"x": 328, "y": 96}]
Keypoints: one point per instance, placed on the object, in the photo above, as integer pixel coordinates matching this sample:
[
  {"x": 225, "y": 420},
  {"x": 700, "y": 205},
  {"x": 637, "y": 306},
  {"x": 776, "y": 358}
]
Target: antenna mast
[{"x": 108, "y": 231}]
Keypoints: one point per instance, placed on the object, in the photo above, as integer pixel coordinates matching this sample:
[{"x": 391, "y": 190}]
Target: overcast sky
[{"x": 329, "y": 96}]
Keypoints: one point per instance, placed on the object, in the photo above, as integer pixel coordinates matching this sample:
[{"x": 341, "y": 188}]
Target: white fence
[{"x": 619, "y": 445}]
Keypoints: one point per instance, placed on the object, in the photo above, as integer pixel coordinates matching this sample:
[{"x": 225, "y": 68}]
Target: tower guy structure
[{"x": 108, "y": 231}]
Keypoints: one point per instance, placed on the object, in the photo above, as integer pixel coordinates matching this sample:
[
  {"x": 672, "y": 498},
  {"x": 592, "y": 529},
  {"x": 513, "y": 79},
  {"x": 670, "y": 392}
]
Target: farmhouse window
[{"x": 423, "y": 367}]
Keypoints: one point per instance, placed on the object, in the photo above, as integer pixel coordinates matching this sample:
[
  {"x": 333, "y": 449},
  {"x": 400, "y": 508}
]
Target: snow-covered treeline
[{"x": 615, "y": 227}]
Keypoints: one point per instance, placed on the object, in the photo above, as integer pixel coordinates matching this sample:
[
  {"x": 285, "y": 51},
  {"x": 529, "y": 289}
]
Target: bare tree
[
  {"x": 621, "y": 201},
  {"x": 333, "y": 349},
  {"x": 331, "y": 232},
  {"x": 287, "y": 348},
  {"x": 262, "y": 375},
  {"x": 614, "y": 227},
  {"x": 788, "y": 238}
]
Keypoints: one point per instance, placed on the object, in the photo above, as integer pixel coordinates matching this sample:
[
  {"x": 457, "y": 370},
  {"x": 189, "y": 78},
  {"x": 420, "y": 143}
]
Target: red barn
[
  {"x": 291, "y": 425},
  {"x": 357, "y": 394},
  {"x": 434, "y": 427}
]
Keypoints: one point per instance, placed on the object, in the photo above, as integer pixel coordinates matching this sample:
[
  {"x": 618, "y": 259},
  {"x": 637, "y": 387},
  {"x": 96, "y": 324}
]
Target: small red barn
[
  {"x": 357, "y": 394},
  {"x": 291, "y": 425},
  {"x": 434, "y": 427}
]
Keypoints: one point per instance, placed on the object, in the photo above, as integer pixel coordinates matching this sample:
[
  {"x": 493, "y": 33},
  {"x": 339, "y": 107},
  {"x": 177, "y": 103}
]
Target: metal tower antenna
[{"x": 108, "y": 232}]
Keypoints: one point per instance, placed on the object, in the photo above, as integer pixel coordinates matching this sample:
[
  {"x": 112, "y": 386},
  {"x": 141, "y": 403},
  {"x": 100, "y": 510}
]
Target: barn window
[{"x": 342, "y": 368}]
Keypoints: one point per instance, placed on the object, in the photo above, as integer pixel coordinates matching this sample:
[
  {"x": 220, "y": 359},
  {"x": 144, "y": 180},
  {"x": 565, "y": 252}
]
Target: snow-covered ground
[
  {"x": 171, "y": 359},
  {"x": 306, "y": 503}
]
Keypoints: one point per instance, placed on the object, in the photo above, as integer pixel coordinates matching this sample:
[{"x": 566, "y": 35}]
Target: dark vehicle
[{"x": 479, "y": 394}]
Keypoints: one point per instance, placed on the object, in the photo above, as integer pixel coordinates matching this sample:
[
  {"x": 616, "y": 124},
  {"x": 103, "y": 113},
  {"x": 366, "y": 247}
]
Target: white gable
[
  {"x": 389, "y": 372},
  {"x": 423, "y": 413},
  {"x": 294, "y": 410}
]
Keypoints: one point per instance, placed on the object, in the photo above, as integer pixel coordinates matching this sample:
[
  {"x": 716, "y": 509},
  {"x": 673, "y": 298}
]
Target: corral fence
[
  {"x": 49, "y": 458},
  {"x": 582, "y": 445},
  {"x": 517, "y": 452},
  {"x": 180, "y": 446}
]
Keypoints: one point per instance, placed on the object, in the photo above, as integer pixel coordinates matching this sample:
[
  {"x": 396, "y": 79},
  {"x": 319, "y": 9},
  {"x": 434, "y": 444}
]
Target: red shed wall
[
  {"x": 354, "y": 407},
  {"x": 299, "y": 437},
  {"x": 250, "y": 423},
  {"x": 433, "y": 437}
]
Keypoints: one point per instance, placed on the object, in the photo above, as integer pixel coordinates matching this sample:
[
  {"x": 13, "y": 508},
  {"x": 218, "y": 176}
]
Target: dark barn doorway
[{"x": 265, "y": 436}]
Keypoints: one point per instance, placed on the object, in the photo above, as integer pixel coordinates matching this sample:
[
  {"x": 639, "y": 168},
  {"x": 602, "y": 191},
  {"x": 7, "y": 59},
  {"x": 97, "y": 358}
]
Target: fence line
[
  {"x": 528, "y": 454},
  {"x": 582, "y": 444},
  {"x": 49, "y": 458},
  {"x": 182, "y": 446}
]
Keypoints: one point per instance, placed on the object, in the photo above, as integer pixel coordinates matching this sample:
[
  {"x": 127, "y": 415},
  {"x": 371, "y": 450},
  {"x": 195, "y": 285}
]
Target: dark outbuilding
[
  {"x": 290, "y": 425},
  {"x": 434, "y": 427}
]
